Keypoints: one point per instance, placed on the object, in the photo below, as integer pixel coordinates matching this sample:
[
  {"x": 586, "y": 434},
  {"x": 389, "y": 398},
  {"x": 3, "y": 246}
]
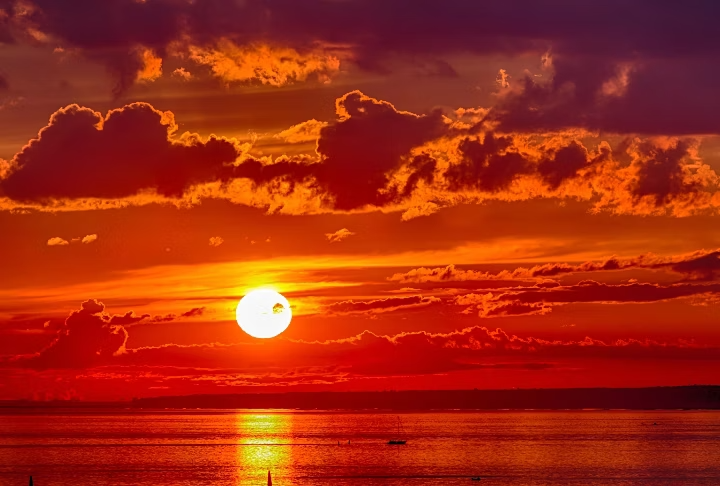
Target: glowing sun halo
[{"x": 263, "y": 313}]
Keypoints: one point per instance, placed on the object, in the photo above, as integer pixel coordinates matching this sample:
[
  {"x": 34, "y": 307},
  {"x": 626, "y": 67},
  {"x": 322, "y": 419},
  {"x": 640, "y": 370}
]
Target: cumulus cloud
[
  {"x": 373, "y": 156},
  {"x": 307, "y": 131},
  {"x": 89, "y": 239},
  {"x": 356, "y": 156},
  {"x": 81, "y": 154},
  {"x": 57, "y": 241},
  {"x": 87, "y": 337},
  {"x": 339, "y": 235},
  {"x": 182, "y": 73},
  {"x": 366, "y": 145},
  {"x": 490, "y": 164},
  {"x": 140, "y": 140},
  {"x": 216, "y": 241},
  {"x": 91, "y": 337}
]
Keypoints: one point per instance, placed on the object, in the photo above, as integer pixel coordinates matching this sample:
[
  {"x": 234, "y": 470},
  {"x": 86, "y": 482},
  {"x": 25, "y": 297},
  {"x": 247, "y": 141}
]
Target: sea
[{"x": 221, "y": 447}]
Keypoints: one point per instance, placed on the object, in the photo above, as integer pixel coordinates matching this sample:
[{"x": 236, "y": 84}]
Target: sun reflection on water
[{"x": 264, "y": 445}]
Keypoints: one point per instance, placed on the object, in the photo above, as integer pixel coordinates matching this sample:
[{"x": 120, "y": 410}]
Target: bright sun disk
[{"x": 263, "y": 313}]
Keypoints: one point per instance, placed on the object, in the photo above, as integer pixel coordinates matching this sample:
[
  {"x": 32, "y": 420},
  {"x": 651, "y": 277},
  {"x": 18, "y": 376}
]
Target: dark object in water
[
  {"x": 400, "y": 433},
  {"x": 31, "y": 483},
  {"x": 269, "y": 479},
  {"x": 476, "y": 478}
]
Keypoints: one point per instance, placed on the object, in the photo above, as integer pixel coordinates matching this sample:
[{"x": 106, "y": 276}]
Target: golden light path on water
[{"x": 266, "y": 445}]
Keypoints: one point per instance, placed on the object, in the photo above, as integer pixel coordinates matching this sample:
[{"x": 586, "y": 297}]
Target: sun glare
[{"x": 263, "y": 313}]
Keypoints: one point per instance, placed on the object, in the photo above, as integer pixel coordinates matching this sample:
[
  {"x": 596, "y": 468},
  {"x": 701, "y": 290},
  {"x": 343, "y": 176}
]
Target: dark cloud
[
  {"x": 660, "y": 172},
  {"x": 423, "y": 169},
  {"x": 372, "y": 156},
  {"x": 361, "y": 150},
  {"x": 194, "y": 312},
  {"x": 92, "y": 339},
  {"x": 699, "y": 265},
  {"x": 488, "y": 165},
  {"x": 592, "y": 291},
  {"x": 88, "y": 337},
  {"x": 616, "y": 93},
  {"x": 541, "y": 298},
  {"x": 381, "y": 305},
  {"x": 515, "y": 309},
  {"x": 358, "y": 154},
  {"x": 668, "y": 46},
  {"x": 435, "y": 26},
  {"x": 81, "y": 154},
  {"x": 566, "y": 162},
  {"x": 411, "y": 353}
]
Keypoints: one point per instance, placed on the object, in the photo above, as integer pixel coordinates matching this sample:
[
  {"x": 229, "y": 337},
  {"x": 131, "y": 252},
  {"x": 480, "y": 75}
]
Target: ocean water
[{"x": 186, "y": 448}]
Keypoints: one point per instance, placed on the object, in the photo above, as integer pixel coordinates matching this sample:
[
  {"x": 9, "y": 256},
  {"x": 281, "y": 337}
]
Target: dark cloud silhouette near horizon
[
  {"x": 87, "y": 337},
  {"x": 91, "y": 338}
]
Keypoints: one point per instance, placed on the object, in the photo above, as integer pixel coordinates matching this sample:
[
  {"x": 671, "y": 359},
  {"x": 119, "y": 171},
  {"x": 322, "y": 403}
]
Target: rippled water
[{"x": 184, "y": 448}]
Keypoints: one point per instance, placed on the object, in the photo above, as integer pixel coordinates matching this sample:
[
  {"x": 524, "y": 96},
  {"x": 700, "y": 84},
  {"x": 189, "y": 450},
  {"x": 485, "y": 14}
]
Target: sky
[{"x": 450, "y": 194}]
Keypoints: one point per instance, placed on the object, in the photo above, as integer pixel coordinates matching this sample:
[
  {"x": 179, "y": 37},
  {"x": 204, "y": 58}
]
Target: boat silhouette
[{"x": 400, "y": 433}]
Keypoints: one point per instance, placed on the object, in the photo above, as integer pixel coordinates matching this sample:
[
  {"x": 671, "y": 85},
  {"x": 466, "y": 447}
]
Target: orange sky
[{"x": 474, "y": 196}]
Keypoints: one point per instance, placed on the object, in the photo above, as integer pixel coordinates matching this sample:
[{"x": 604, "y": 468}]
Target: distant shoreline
[{"x": 696, "y": 397}]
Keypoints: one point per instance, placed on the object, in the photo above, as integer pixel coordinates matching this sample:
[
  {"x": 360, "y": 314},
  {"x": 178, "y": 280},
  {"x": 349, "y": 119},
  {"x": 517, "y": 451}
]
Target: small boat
[
  {"x": 400, "y": 433},
  {"x": 476, "y": 478}
]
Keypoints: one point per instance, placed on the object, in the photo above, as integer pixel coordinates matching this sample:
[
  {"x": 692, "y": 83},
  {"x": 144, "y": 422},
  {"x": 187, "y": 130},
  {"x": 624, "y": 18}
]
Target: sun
[{"x": 263, "y": 313}]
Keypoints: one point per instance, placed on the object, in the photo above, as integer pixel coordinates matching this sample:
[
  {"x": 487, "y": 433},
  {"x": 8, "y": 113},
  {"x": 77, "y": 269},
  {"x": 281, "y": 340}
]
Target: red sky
[{"x": 451, "y": 194}]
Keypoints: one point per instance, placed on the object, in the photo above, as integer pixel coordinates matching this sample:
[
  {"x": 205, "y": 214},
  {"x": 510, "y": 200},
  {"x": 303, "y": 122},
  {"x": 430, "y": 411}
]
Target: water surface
[{"x": 229, "y": 448}]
